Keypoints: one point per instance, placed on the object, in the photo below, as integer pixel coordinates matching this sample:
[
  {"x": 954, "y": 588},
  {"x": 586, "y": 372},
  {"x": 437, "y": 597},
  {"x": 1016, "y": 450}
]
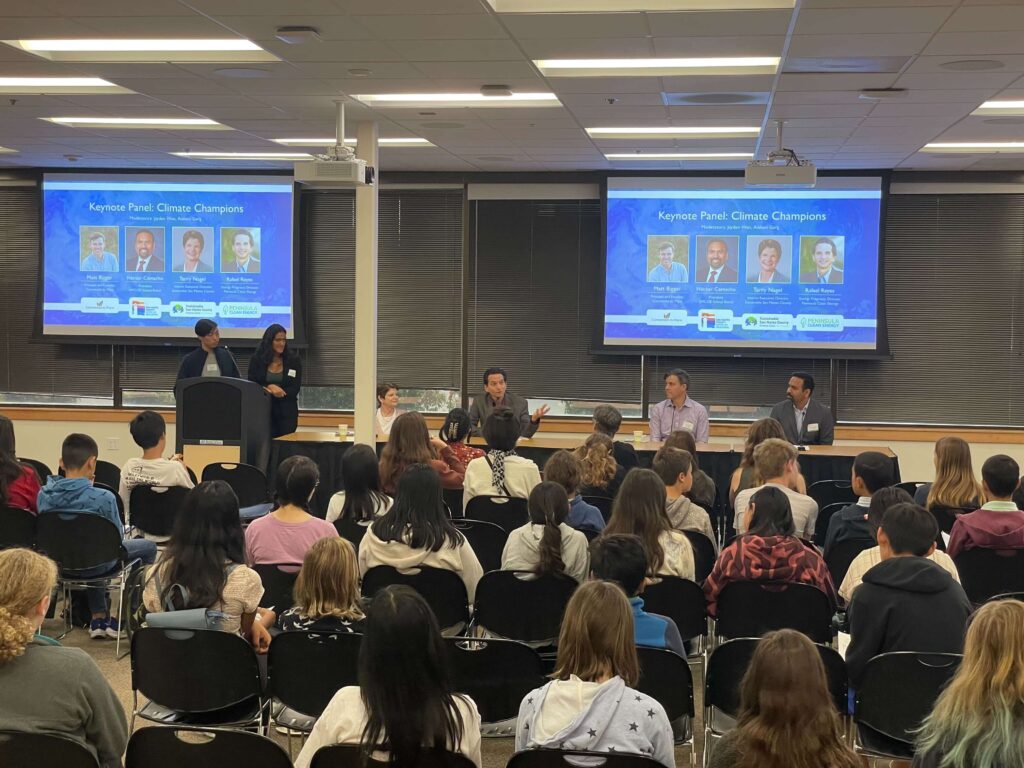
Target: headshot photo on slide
[
  {"x": 192, "y": 249},
  {"x": 822, "y": 259},
  {"x": 240, "y": 250},
  {"x": 145, "y": 249},
  {"x": 717, "y": 259},
  {"x": 98, "y": 249},
  {"x": 769, "y": 259},
  {"x": 668, "y": 258}
]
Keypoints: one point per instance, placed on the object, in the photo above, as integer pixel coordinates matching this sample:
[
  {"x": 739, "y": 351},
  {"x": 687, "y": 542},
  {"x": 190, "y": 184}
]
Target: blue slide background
[
  {"x": 65, "y": 210},
  {"x": 631, "y": 220}
]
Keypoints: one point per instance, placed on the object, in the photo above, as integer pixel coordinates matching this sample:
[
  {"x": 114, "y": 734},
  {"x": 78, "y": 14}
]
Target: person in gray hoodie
[
  {"x": 590, "y": 704},
  {"x": 675, "y": 468}
]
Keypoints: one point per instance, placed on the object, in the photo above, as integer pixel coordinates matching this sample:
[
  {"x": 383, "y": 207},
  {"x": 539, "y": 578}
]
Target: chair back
[
  {"x": 42, "y": 470},
  {"x": 752, "y": 608},
  {"x": 443, "y": 590},
  {"x": 351, "y": 756},
  {"x": 946, "y": 516},
  {"x": 910, "y": 486},
  {"x": 842, "y": 555},
  {"x": 168, "y": 747},
  {"x": 333, "y": 658},
  {"x": 174, "y": 668},
  {"x": 248, "y": 482},
  {"x": 496, "y": 674},
  {"x": 350, "y": 530},
  {"x": 836, "y": 676},
  {"x": 453, "y": 500},
  {"x": 508, "y": 512},
  {"x": 703, "y": 554},
  {"x": 155, "y": 507},
  {"x": 1007, "y": 596},
  {"x": 822, "y": 520},
  {"x": 19, "y": 749},
  {"x": 985, "y": 573},
  {"x": 112, "y": 489},
  {"x": 278, "y": 585},
  {"x": 77, "y": 540},
  {"x": 665, "y": 677},
  {"x": 109, "y": 474},
  {"x": 827, "y": 492},
  {"x": 568, "y": 758},
  {"x": 17, "y": 527},
  {"x": 682, "y": 601},
  {"x": 527, "y": 609},
  {"x": 603, "y": 504},
  {"x": 486, "y": 539}
]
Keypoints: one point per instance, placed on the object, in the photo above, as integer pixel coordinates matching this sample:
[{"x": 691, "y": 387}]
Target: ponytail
[{"x": 549, "y": 506}]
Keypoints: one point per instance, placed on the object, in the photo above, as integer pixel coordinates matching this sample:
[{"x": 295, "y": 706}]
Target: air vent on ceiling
[
  {"x": 712, "y": 99},
  {"x": 810, "y": 65}
]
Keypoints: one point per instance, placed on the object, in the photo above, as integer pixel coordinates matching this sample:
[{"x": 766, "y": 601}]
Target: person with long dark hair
[
  {"x": 410, "y": 443},
  {"x": 416, "y": 532},
  {"x": 547, "y": 544},
  {"x": 361, "y": 497},
  {"x": 405, "y": 701},
  {"x": 455, "y": 432},
  {"x": 19, "y": 484},
  {"x": 279, "y": 371}
]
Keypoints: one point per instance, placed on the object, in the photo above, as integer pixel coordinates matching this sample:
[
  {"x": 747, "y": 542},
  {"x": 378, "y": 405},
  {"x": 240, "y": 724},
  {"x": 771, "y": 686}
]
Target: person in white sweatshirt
[
  {"x": 546, "y": 544},
  {"x": 149, "y": 431},
  {"x": 416, "y": 532},
  {"x": 500, "y": 472}
]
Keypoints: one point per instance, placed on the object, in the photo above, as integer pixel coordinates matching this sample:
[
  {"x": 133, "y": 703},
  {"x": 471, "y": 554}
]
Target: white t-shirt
[
  {"x": 805, "y": 509},
  {"x": 338, "y": 502},
  {"x": 139, "y": 471},
  {"x": 521, "y": 477}
]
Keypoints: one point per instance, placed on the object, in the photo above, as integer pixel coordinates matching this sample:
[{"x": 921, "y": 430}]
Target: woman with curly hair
[{"x": 602, "y": 475}]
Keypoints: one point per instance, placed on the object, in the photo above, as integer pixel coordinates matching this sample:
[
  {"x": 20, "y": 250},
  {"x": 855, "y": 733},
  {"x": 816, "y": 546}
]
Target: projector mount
[
  {"x": 780, "y": 155},
  {"x": 339, "y": 152}
]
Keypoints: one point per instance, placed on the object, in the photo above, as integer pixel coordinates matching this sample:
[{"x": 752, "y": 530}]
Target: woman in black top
[{"x": 279, "y": 371}]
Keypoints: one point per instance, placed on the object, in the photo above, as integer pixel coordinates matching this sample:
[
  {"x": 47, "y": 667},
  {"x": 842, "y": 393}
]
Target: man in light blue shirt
[
  {"x": 678, "y": 411},
  {"x": 98, "y": 259},
  {"x": 667, "y": 270}
]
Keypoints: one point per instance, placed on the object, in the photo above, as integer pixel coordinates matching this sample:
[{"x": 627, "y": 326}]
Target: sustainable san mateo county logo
[
  {"x": 177, "y": 308},
  {"x": 750, "y": 322}
]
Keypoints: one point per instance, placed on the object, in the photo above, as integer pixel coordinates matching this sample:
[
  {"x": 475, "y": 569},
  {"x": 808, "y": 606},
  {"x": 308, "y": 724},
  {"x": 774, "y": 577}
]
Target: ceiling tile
[
  {"x": 592, "y": 48},
  {"x": 760, "y": 45},
  {"x": 434, "y": 26},
  {"x": 852, "y": 21},
  {"x": 718, "y": 24},
  {"x": 858, "y": 45}
]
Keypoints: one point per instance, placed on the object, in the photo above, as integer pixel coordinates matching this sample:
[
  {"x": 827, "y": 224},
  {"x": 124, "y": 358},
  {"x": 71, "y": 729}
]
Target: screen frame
[
  {"x": 685, "y": 351},
  {"x": 298, "y": 338}
]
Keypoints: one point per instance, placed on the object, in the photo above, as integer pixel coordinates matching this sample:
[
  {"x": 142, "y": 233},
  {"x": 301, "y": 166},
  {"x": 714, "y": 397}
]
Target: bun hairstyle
[
  {"x": 456, "y": 426},
  {"x": 25, "y": 579}
]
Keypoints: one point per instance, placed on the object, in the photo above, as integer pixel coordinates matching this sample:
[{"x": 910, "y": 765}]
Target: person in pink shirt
[
  {"x": 19, "y": 484},
  {"x": 284, "y": 535}
]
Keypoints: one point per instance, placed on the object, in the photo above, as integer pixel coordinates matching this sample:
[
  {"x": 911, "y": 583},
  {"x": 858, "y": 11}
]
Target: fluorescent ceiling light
[
  {"x": 680, "y": 156},
  {"x": 687, "y": 132},
  {"x": 1004, "y": 107},
  {"x": 412, "y": 141},
  {"x": 51, "y": 85},
  {"x": 994, "y": 147},
  {"x": 7, "y": 150},
  {"x": 153, "y": 49},
  {"x": 178, "y": 123},
  {"x": 244, "y": 155},
  {"x": 734, "y": 65},
  {"x": 625, "y": 6},
  {"x": 458, "y": 100}
]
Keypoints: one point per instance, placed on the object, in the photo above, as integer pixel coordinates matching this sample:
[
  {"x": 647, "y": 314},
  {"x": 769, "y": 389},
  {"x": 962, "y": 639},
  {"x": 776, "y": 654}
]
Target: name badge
[
  {"x": 292, "y": 373},
  {"x": 212, "y": 367},
  {"x": 688, "y": 425},
  {"x": 812, "y": 427}
]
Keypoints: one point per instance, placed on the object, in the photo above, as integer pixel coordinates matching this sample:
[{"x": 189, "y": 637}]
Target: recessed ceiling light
[
  {"x": 420, "y": 100},
  {"x": 140, "y": 50},
  {"x": 994, "y": 147},
  {"x": 672, "y": 99},
  {"x": 686, "y": 132},
  {"x": 1001, "y": 107},
  {"x": 51, "y": 85},
  {"x": 1004, "y": 120},
  {"x": 412, "y": 141},
  {"x": 680, "y": 155},
  {"x": 360, "y": 72},
  {"x": 245, "y": 155},
  {"x": 739, "y": 65},
  {"x": 882, "y": 94},
  {"x": 972, "y": 65},
  {"x": 625, "y": 6},
  {"x": 178, "y": 123}
]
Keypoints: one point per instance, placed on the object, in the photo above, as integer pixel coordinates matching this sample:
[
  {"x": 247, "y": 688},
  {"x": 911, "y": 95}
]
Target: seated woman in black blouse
[{"x": 279, "y": 371}]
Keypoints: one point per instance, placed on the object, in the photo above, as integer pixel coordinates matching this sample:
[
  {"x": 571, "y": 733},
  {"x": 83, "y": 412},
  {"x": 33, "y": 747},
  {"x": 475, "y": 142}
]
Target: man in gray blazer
[
  {"x": 804, "y": 420},
  {"x": 496, "y": 395}
]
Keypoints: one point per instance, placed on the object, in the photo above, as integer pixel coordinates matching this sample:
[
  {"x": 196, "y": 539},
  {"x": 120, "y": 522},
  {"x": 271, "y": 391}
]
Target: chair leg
[
  {"x": 66, "y": 595},
  {"x": 121, "y": 624}
]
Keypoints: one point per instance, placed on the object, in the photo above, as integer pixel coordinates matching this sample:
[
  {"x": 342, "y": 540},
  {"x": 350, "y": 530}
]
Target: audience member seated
[
  {"x": 675, "y": 468},
  {"x": 769, "y": 551},
  {"x": 361, "y": 498},
  {"x": 500, "y": 472},
  {"x": 786, "y": 717},
  {"x": 326, "y": 591},
  {"x": 405, "y": 700},
  {"x": 745, "y": 475},
  {"x": 621, "y": 559},
  {"x": 998, "y": 524},
  {"x": 607, "y": 420},
  {"x": 48, "y": 689},
  {"x": 775, "y": 461},
  {"x": 410, "y": 443},
  {"x": 149, "y": 431},
  {"x": 564, "y": 468},
  {"x": 907, "y": 602},
  {"x": 206, "y": 557},
  {"x": 703, "y": 491},
  {"x": 872, "y": 471},
  {"x": 602, "y": 475},
  {"x": 75, "y": 493},
  {"x": 590, "y": 704},
  {"x": 455, "y": 432},
  {"x": 546, "y": 544},
  {"x": 417, "y": 531},
  {"x": 978, "y": 720},
  {"x": 19, "y": 483},
  {"x": 640, "y": 509},
  {"x": 869, "y": 558},
  {"x": 955, "y": 486}
]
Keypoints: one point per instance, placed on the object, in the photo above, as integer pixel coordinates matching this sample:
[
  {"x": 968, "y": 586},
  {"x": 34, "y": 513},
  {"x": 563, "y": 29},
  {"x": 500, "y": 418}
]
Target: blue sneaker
[
  {"x": 112, "y": 629},
  {"x": 98, "y": 629}
]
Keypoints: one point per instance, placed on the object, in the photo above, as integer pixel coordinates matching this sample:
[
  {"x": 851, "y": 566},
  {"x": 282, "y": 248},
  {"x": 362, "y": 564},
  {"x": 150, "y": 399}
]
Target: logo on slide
[
  {"x": 767, "y": 322},
  {"x": 100, "y": 304},
  {"x": 144, "y": 308},
  {"x": 675, "y": 317},
  {"x": 715, "y": 320},
  {"x": 820, "y": 323}
]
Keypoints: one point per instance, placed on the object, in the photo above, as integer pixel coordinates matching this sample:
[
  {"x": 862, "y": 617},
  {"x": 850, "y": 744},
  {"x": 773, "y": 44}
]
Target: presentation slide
[
  {"x": 708, "y": 263},
  {"x": 146, "y": 256}
]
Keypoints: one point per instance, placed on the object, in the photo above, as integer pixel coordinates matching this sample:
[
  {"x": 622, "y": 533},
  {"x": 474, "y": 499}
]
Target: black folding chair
[
  {"x": 496, "y": 674},
  {"x": 278, "y": 585},
  {"x": 703, "y": 554},
  {"x": 1007, "y": 596},
  {"x": 349, "y": 529},
  {"x": 568, "y": 758},
  {"x": 842, "y": 555},
  {"x": 827, "y": 492},
  {"x": 17, "y": 527},
  {"x": 910, "y": 486},
  {"x": 988, "y": 572},
  {"x": 752, "y": 608},
  {"x": 896, "y": 693},
  {"x": 486, "y": 539},
  {"x": 822, "y": 520},
  {"x": 108, "y": 474},
  {"x": 526, "y": 609},
  {"x": 248, "y": 482},
  {"x": 351, "y": 756},
  {"x": 453, "y": 498},
  {"x": 682, "y": 601},
  {"x": 197, "y": 678},
  {"x": 23, "y": 750},
  {"x": 209, "y": 748},
  {"x": 603, "y": 504},
  {"x": 508, "y": 512},
  {"x": 946, "y": 516},
  {"x": 117, "y": 496},
  {"x": 666, "y": 678},
  {"x": 443, "y": 590},
  {"x": 42, "y": 471},
  {"x": 153, "y": 508}
]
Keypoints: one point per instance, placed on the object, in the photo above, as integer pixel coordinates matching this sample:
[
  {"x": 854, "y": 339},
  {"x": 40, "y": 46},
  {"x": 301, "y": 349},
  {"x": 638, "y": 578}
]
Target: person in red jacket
[
  {"x": 19, "y": 484},
  {"x": 998, "y": 524}
]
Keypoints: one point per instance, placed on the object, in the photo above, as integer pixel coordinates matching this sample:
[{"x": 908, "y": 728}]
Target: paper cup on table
[
  {"x": 343, "y": 431},
  {"x": 638, "y": 436}
]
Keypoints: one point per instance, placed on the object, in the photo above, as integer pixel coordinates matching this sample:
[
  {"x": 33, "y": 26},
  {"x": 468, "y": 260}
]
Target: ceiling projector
[{"x": 783, "y": 168}]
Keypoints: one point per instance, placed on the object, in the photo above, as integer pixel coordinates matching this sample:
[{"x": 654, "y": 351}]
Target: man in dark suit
[
  {"x": 718, "y": 269},
  {"x": 211, "y": 359},
  {"x": 804, "y": 420},
  {"x": 145, "y": 260},
  {"x": 496, "y": 395},
  {"x": 826, "y": 272}
]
